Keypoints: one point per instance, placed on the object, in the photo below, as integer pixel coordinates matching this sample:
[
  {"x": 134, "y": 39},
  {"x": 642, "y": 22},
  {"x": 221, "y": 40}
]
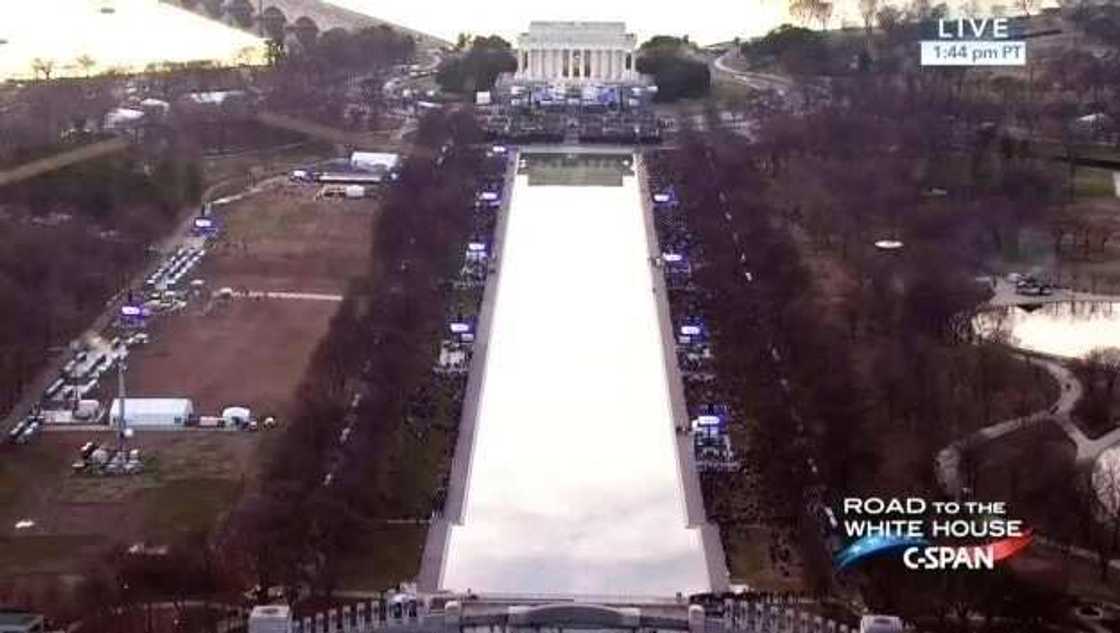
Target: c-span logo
[{"x": 930, "y": 535}]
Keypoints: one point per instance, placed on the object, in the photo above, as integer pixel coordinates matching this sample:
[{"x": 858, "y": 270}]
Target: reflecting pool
[
  {"x": 1067, "y": 329},
  {"x": 125, "y": 35},
  {"x": 574, "y": 485}
]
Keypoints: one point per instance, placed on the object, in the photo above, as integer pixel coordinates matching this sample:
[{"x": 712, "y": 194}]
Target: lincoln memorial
[{"x": 576, "y": 52}]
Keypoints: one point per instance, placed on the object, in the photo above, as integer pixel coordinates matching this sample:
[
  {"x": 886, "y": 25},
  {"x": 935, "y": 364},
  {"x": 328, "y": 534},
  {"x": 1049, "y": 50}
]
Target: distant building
[
  {"x": 141, "y": 412},
  {"x": 577, "y": 52},
  {"x": 20, "y": 622}
]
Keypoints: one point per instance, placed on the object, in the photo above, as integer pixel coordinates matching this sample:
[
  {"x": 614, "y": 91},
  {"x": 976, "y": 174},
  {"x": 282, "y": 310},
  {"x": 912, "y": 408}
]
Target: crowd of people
[
  {"x": 734, "y": 492},
  {"x": 585, "y": 123},
  {"x": 439, "y": 401}
]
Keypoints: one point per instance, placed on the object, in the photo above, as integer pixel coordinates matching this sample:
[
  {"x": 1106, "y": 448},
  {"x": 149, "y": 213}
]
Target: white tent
[
  {"x": 214, "y": 97},
  {"x": 374, "y": 161},
  {"x": 152, "y": 411},
  {"x": 155, "y": 105},
  {"x": 119, "y": 118},
  {"x": 236, "y": 415}
]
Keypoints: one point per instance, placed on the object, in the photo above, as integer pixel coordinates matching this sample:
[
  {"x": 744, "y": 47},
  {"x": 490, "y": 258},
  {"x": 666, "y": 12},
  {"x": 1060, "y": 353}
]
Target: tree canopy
[
  {"x": 800, "y": 51},
  {"x": 677, "y": 72},
  {"x": 478, "y": 68}
]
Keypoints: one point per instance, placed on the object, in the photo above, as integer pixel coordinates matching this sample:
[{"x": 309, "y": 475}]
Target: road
[
  {"x": 64, "y": 159},
  {"x": 304, "y": 296},
  {"x": 949, "y": 458},
  {"x": 757, "y": 81}
]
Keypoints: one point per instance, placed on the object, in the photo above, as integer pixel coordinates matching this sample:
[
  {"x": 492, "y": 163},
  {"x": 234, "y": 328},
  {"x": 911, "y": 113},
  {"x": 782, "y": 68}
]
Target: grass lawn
[
  {"x": 1091, "y": 182},
  {"x": 276, "y": 221},
  {"x": 191, "y": 480},
  {"x": 391, "y": 554},
  {"x": 748, "y": 560},
  {"x": 47, "y": 554},
  {"x": 185, "y": 505}
]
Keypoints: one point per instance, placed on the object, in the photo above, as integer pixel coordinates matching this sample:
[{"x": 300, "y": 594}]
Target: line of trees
[
  {"x": 875, "y": 344},
  {"x": 321, "y": 76},
  {"x": 72, "y": 238},
  {"x": 797, "y": 50},
  {"x": 319, "y": 498},
  {"x": 676, "y": 66},
  {"x": 477, "y": 64}
]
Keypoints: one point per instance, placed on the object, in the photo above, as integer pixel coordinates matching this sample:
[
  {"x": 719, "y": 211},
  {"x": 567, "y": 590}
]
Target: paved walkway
[
  {"x": 757, "y": 81},
  {"x": 305, "y": 296},
  {"x": 949, "y": 458},
  {"x": 63, "y": 159}
]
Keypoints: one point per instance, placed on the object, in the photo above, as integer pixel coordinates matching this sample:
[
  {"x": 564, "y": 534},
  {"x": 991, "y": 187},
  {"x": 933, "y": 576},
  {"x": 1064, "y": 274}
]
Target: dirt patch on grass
[
  {"x": 245, "y": 352},
  {"x": 284, "y": 240},
  {"x": 253, "y": 352}
]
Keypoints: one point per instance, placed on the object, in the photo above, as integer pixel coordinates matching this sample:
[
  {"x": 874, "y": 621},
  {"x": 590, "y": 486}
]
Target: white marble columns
[{"x": 607, "y": 64}]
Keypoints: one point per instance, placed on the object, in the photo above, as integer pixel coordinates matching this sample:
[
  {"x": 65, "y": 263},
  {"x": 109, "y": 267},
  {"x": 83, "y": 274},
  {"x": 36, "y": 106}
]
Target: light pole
[{"x": 122, "y": 426}]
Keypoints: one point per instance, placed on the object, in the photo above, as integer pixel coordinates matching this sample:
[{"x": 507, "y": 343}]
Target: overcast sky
[{"x": 706, "y": 21}]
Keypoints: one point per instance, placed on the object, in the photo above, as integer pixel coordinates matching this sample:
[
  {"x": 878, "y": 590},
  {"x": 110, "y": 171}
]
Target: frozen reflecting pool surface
[
  {"x": 1069, "y": 329},
  {"x": 124, "y": 35},
  {"x": 575, "y": 486}
]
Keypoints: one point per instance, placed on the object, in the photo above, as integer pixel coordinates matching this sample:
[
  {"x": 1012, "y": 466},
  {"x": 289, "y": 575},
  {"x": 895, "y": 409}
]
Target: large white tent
[{"x": 140, "y": 412}]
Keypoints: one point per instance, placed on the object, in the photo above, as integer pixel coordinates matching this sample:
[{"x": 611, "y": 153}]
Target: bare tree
[
  {"x": 1104, "y": 486},
  {"x": 1107, "y": 362},
  {"x": 1026, "y": 6},
  {"x": 867, "y": 10},
  {"x": 86, "y": 63},
  {"x": 42, "y": 67}
]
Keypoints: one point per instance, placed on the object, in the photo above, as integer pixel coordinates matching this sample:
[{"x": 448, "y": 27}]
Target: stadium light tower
[{"x": 122, "y": 426}]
